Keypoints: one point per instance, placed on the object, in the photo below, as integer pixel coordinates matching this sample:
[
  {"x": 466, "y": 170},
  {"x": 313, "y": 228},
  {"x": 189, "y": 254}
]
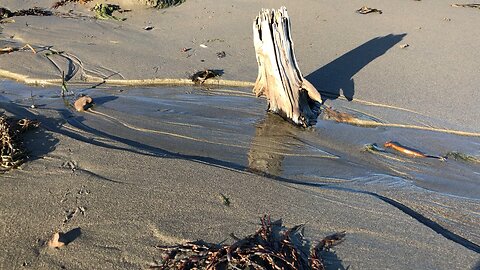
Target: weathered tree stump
[{"x": 279, "y": 78}]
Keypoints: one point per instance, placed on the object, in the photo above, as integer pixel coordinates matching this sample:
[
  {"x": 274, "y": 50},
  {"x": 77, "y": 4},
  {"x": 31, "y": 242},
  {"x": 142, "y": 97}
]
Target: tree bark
[{"x": 279, "y": 78}]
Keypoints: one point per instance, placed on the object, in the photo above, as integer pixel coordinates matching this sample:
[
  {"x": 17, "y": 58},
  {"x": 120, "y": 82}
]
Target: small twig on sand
[
  {"x": 466, "y": 5},
  {"x": 30, "y": 47},
  {"x": 8, "y": 50},
  {"x": 64, "y": 85},
  {"x": 33, "y": 106},
  {"x": 14, "y": 49}
]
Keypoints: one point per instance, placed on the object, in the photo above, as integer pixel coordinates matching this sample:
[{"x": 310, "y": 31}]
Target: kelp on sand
[
  {"x": 270, "y": 247},
  {"x": 12, "y": 151},
  {"x": 162, "y": 3},
  {"x": 35, "y": 11}
]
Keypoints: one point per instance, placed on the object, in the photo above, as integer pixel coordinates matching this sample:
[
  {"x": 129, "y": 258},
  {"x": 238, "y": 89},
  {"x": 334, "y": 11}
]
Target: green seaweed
[
  {"x": 462, "y": 157},
  {"x": 373, "y": 147},
  {"x": 105, "y": 11},
  {"x": 225, "y": 199}
]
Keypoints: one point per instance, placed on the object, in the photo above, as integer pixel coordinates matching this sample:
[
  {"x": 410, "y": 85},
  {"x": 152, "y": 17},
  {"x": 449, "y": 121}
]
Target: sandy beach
[{"x": 150, "y": 164}]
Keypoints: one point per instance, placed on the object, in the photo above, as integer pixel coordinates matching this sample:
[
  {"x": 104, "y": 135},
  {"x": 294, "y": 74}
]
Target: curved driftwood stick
[{"x": 279, "y": 78}]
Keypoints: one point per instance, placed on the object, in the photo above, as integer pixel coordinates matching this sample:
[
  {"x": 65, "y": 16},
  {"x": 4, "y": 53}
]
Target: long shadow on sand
[{"x": 338, "y": 74}]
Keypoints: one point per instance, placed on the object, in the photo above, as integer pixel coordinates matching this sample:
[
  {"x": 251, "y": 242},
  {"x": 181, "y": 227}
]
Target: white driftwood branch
[{"x": 279, "y": 78}]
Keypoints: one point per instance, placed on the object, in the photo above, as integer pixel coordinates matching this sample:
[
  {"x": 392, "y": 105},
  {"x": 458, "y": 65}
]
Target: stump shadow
[{"x": 338, "y": 74}]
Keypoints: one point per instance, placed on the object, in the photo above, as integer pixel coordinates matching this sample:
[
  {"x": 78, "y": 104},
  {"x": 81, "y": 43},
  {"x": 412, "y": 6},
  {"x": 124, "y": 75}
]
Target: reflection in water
[{"x": 273, "y": 136}]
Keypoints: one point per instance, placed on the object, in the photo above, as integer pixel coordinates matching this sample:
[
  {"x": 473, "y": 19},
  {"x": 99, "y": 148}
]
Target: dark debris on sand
[
  {"x": 165, "y": 3},
  {"x": 201, "y": 76},
  {"x": 64, "y": 2},
  {"x": 367, "y": 10},
  {"x": 270, "y": 247},
  {"x": 466, "y": 5},
  {"x": 12, "y": 151},
  {"x": 35, "y": 11}
]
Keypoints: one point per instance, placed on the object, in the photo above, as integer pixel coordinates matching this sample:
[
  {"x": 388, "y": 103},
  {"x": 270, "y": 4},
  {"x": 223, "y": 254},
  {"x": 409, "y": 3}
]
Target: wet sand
[{"x": 149, "y": 164}]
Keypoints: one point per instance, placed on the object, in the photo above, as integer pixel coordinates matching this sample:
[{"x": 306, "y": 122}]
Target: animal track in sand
[
  {"x": 72, "y": 213},
  {"x": 71, "y": 164},
  {"x": 78, "y": 203}
]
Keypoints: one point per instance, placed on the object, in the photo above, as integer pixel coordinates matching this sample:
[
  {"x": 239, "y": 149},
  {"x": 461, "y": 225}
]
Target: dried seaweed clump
[
  {"x": 462, "y": 157},
  {"x": 35, "y": 11},
  {"x": 162, "y": 3},
  {"x": 270, "y": 247},
  {"x": 5, "y": 13},
  {"x": 64, "y": 2},
  {"x": 12, "y": 152}
]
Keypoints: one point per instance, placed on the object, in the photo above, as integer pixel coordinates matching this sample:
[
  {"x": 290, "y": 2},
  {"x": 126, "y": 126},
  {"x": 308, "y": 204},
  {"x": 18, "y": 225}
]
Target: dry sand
[{"x": 129, "y": 199}]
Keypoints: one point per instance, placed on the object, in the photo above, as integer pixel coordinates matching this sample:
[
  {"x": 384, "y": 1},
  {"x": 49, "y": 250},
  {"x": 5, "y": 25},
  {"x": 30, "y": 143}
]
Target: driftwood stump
[{"x": 279, "y": 78}]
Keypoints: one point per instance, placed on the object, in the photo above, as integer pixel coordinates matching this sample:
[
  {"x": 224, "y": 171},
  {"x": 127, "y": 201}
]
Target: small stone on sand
[
  {"x": 83, "y": 103},
  {"x": 54, "y": 241}
]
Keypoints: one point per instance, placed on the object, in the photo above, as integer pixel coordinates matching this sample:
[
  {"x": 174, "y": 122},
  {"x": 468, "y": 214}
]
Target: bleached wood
[{"x": 279, "y": 77}]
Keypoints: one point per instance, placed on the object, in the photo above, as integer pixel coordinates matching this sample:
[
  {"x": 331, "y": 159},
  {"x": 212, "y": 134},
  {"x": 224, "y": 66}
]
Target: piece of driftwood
[{"x": 279, "y": 78}]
